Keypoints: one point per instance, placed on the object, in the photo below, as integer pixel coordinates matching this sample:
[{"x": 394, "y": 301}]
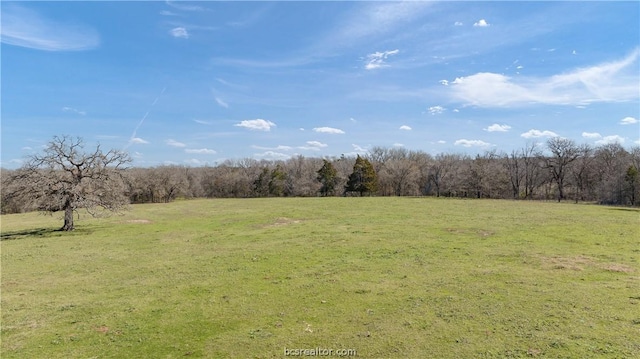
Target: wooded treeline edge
[{"x": 559, "y": 170}]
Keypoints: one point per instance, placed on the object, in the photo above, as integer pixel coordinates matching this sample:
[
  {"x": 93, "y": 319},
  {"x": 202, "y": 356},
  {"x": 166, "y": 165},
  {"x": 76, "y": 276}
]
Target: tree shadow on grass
[
  {"x": 629, "y": 209},
  {"x": 39, "y": 232},
  {"x": 43, "y": 233}
]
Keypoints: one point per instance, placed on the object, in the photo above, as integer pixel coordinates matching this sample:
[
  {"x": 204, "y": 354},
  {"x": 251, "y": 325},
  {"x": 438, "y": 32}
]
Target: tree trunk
[{"x": 68, "y": 217}]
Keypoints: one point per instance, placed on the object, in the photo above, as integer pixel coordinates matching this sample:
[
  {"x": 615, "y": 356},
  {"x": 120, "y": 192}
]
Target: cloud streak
[
  {"x": 26, "y": 28},
  {"x": 615, "y": 81},
  {"x": 378, "y": 59},
  {"x": 179, "y": 32}
]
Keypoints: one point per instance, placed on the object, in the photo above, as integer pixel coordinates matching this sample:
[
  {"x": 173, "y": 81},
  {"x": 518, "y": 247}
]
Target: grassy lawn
[{"x": 386, "y": 277}]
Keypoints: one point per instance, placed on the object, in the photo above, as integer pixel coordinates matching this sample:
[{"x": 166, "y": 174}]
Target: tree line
[{"x": 559, "y": 169}]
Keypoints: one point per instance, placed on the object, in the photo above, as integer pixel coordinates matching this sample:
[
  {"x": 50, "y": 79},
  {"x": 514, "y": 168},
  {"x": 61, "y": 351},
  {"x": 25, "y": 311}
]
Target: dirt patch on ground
[
  {"x": 579, "y": 263},
  {"x": 139, "y": 221},
  {"x": 283, "y": 221}
]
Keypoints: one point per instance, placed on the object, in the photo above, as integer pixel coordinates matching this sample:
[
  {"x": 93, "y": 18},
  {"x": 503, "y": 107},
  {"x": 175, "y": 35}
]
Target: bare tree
[
  {"x": 563, "y": 152},
  {"x": 513, "y": 163},
  {"x": 65, "y": 178}
]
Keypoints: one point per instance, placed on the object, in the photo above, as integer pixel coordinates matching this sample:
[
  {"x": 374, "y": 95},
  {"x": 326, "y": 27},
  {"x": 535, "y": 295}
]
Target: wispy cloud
[
  {"x": 609, "y": 82},
  {"x": 200, "y": 151},
  {"x": 405, "y": 128},
  {"x": 537, "y": 133},
  {"x": 26, "y": 28},
  {"x": 436, "y": 110},
  {"x": 378, "y": 59},
  {"x": 497, "y": 128},
  {"x": 471, "y": 143},
  {"x": 329, "y": 130},
  {"x": 629, "y": 121},
  {"x": 179, "y": 32},
  {"x": 373, "y": 18},
  {"x": 256, "y": 125},
  {"x": 203, "y": 122},
  {"x": 221, "y": 102},
  {"x": 138, "y": 140},
  {"x": 316, "y": 144},
  {"x": 277, "y": 148},
  {"x": 184, "y": 6},
  {"x": 174, "y": 143},
  {"x": 74, "y": 110},
  {"x": 481, "y": 23}
]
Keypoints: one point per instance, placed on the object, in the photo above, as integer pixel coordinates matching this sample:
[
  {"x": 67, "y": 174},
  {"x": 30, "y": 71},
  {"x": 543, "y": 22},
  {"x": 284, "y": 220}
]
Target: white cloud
[
  {"x": 200, "y": 151},
  {"x": 591, "y": 135},
  {"x": 538, "y": 133},
  {"x": 608, "y": 82},
  {"x": 629, "y": 121},
  {"x": 458, "y": 23},
  {"x": 174, "y": 143},
  {"x": 179, "y": 32},
  {"x": 498, "y": 128},
  {"x": 138, "y": 140},
  {"x": 471, "y": 143},
  {"x": 442, "y": 142},
  {"x": 26, "y": 28},
  {"x": 272, "y": 155},
  {"x": 405, "y": 128},
  {"x": 202, "y": 122},
  {"x": 436, "y": 110},
  {"x": 329, "y": 130},
  {"x": 481, "y": 23},
  {"x": 277, "y": 148},
  {"x": 222, "y": 103},
  {"x": 256, "y": 125},
  {"x": 358, "y": 149},
  {"x": 73, "y": 110},
  {"x": 377, "y": 59},
  {"x": 610, "y": 139},
  {"x": 316, "y": 144},
  {"x": 444, "y": 82}
]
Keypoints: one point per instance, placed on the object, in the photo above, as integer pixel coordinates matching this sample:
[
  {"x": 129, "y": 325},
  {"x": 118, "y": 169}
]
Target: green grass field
[{"x": 384, "y": 277}]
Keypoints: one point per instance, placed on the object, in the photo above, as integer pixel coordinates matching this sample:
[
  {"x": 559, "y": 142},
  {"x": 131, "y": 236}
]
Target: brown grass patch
[
  {"x": 579, "y": 263},
  {"x": 140, "y": 221},
  {"x": 282, "y": 221},
  {"x": 617, "y": 267}
]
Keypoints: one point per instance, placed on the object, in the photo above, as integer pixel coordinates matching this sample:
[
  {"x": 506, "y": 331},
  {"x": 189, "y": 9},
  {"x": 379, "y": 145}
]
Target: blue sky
[{"x": 195, "y": 83}]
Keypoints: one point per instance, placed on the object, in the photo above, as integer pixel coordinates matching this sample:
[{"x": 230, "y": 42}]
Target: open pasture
[{"x": 384, "y": 277}]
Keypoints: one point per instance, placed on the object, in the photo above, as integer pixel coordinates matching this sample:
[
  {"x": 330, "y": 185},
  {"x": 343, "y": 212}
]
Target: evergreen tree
[
  {"x": 328, "y": 177},
  {"x": 363, "y": 179}
]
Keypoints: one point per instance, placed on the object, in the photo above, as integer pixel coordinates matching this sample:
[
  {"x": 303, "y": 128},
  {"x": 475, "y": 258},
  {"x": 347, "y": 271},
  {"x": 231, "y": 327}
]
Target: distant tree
[
  {"x": 513, "y": 164},
  {"x": 261, "y": 184},
  {"x": 532, "y": 167},
  {"x": 563, "y": 153},
  {"x": 632, "y": 179},
  {"x": 65, "y": 178},
  {"x": 328, "y": 177},
  {"x": 277, "y": 182},
  {"x": 363, "y": 179}
]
